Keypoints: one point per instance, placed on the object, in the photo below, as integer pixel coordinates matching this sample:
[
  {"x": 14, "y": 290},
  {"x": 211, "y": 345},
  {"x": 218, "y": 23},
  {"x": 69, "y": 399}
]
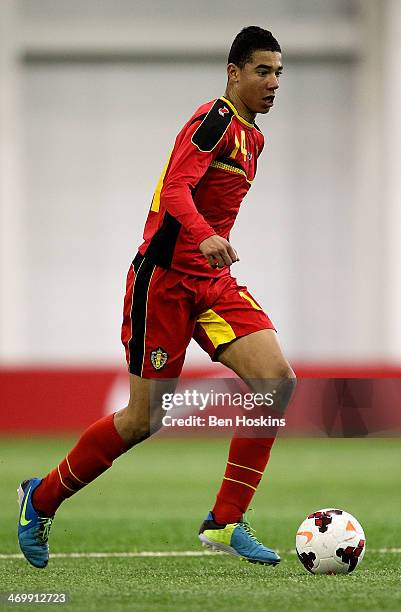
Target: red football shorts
[{"x": 164, "y": 309}]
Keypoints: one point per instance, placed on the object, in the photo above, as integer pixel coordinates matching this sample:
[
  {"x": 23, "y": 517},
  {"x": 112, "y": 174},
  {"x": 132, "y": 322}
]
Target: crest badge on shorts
[{"x": 158, "y": 357}]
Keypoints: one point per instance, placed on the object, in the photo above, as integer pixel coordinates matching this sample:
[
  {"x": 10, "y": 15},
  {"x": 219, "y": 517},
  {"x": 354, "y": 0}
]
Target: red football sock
[
  {"x": 246, "y": 463},
  {"x": 93, "y": 454}
]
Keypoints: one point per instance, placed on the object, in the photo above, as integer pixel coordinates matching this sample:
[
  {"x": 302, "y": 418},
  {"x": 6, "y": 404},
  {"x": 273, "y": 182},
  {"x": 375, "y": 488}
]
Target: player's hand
[{"x": 218, "y": 251}]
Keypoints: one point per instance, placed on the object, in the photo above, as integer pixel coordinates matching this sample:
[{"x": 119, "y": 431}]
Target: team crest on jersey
[
  {"x": 158, "y": 358},
  {"x": 223, "y": 111},
  {"x": 249, "y": 156}
]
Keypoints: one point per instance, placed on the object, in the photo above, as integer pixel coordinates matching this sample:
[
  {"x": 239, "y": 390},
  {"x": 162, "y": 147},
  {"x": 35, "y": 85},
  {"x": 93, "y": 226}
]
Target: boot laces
[
  {"x": 245, "y": 524},
  {"x": 44, "y": 528}
]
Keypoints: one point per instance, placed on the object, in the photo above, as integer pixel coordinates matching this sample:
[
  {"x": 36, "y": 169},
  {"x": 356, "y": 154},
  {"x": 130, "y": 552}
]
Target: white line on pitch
[
  {"x": 77, "y": 555},
  {"x": 165, "y": 553}
]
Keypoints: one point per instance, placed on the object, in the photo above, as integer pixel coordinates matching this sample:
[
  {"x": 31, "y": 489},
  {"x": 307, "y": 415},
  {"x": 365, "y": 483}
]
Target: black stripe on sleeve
[{"x": 213, "y": 127}]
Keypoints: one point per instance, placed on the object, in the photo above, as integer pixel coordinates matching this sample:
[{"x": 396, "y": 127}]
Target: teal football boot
[
  {"x": 33, "y": 529},
  {"x": 236, "y": 539}
]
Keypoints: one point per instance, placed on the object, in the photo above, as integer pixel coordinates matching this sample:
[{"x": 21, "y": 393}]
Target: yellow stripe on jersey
[
  {"x": 235, "y": 150},
  {"x": 156, "y": 196},
  {"x": 223, "y": 166},
  {"x": 250, "y": 300},
  {"x": 217, "y": 329}
]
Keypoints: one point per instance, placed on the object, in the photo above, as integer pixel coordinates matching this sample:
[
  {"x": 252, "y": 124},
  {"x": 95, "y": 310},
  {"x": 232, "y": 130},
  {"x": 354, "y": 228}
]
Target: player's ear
[{"x": 232, "y": 72}]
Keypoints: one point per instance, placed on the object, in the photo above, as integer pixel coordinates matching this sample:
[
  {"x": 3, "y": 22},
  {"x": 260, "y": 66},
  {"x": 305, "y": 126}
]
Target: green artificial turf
[{"x": 154, "y": 498}]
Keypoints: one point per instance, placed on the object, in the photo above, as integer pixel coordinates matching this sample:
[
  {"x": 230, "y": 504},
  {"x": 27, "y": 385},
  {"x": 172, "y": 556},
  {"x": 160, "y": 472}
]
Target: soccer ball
[{"x": 330, "y": 541}]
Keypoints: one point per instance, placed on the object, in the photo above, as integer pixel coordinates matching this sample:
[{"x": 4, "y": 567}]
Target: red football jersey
[{"x": 208, "y": 173}]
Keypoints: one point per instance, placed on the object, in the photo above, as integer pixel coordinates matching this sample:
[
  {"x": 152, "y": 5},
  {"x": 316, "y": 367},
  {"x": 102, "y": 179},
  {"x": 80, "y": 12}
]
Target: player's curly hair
[{"x": 250, "y": 39}]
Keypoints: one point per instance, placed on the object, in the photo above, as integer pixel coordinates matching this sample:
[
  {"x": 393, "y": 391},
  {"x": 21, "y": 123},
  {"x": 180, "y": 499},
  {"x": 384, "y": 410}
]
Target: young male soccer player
[{"x": 179, "y": 287}]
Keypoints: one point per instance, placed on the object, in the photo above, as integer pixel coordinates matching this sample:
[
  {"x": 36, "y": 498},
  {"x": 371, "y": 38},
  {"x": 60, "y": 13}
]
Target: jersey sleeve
[{"x": 195, "y": 148}]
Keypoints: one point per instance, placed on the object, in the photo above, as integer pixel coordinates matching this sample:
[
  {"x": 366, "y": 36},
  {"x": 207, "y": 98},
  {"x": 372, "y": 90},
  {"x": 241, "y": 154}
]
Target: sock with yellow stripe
[
  {"x": 246, "y": 463},
  {"x": 93, "y": 454}
]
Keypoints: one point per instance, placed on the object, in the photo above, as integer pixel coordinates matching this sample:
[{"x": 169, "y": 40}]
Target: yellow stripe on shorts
[
  {"x": 217, "y": 329},
  {"x": 250, "y": 300}
]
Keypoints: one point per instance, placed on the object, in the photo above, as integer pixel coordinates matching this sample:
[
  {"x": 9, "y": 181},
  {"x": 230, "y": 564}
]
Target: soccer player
[{"x": 179, "y": 287}]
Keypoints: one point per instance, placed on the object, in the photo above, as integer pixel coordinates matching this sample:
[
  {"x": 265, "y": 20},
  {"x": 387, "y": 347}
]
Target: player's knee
[
  {"x": 136, "y": 431},
  {"x": 285, "y": 379},
  {"x": 137, "y": 425},
  {"x": 291, "y": 380},
  {"x": 280, "y": 370},
  {"x": 277, "y": 383}
]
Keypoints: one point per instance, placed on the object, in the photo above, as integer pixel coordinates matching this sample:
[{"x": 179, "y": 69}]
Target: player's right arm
[
  {"x": 194, "y": 150},
  {"x": 218, "y": 251}
]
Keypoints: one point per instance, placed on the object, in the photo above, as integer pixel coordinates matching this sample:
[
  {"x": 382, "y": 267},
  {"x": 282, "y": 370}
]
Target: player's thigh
[
  {"x": 256, "y": 355},
  {"x": 237, "y": 332},
  {"x": 258, "y": 359}
]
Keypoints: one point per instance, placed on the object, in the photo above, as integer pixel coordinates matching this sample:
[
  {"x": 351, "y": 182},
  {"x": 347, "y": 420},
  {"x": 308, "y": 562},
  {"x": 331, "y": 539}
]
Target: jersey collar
[{"x": 236, "y": 113}]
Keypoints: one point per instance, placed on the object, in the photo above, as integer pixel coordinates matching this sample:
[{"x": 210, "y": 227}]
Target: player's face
[{"x": 257, "y": 82}]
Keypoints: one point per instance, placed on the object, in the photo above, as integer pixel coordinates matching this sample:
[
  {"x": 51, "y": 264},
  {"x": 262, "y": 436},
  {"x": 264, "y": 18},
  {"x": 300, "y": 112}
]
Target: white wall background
[{"x": 92, "y": 96}]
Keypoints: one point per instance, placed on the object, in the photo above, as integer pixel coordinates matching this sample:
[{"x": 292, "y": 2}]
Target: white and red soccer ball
[{"x": 330, "y": 541}]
